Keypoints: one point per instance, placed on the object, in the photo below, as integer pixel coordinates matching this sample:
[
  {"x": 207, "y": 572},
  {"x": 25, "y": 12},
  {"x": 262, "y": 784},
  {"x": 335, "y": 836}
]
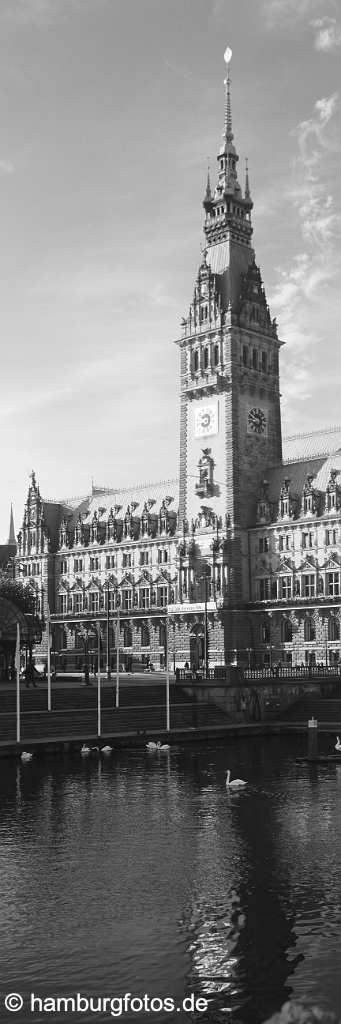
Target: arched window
[
  {"x": 265, "y": 633},
  {"x": 145, "y": 636},
  {"x": 206, "y": 354},
  {"x": 333, "y": 628},
  {"x": 196, "y": 360},
  {"x": 309, "y": 630},
  {"x": 286, "y": 629},
  {"x": 127, "y": 635}
]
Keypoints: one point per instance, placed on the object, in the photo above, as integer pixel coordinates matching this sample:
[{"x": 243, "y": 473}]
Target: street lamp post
[
  {"x": 167, "y": 673},
  {"x": 108, "y": 635},
  {"x": 118, "y": 654},
  {"x": 98, "y": 679}
]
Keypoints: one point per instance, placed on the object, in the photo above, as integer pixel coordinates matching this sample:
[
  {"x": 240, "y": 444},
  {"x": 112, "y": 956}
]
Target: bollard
[{"x": 312, "y": 739}]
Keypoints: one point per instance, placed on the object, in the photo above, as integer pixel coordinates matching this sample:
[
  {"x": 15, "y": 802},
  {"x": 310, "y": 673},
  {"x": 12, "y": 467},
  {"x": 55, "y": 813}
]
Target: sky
[{"x": 109, "y": 112}]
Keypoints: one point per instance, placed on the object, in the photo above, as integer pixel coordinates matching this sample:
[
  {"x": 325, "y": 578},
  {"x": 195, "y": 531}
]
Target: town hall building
[{"x": 239, "y": 560}]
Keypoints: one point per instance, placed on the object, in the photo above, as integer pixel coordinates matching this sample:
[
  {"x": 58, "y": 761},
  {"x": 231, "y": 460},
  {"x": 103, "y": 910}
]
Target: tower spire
[
  {"x": 247, "y": 183},
  {"x": 208, "y": 194},
  {"x": 11, "y": 535},
  {"x": 228, "y": 133}
]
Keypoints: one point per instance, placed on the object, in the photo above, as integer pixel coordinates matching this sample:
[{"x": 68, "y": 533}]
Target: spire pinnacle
[
  {"x": 228, "y": 134},
  {"x": 247, "y": 183},
  {"x": 11, "y": 535}
]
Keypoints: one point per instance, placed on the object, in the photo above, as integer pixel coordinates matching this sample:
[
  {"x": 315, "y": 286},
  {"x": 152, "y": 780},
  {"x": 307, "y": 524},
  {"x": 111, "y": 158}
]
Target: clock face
[
  {"x": 256, "y": 421},
  {"x": 206, "y": 421}
]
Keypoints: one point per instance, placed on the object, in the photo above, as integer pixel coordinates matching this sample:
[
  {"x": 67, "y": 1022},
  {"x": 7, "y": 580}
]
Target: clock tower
[{"x": 230, "y": 429}]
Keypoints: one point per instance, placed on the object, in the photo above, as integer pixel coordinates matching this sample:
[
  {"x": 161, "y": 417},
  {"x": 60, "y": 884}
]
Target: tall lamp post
[
  {"x": 118, "y": 653},
  {"x": 108, "y": 634},
  {"x": 204, "y": 577}
]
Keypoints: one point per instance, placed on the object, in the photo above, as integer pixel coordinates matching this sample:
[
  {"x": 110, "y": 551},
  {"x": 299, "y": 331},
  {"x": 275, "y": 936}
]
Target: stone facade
[{"x": 237, "y": 562}]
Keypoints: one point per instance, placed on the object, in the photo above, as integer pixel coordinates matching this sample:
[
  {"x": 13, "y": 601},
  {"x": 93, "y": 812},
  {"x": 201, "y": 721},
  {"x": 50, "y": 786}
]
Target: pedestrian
[
  {"x": 86, "y": 675},
  {"x": 29, "y": 675}
]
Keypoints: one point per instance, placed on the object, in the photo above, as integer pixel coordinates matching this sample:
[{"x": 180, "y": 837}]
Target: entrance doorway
[{"x": 197, "y": 647}]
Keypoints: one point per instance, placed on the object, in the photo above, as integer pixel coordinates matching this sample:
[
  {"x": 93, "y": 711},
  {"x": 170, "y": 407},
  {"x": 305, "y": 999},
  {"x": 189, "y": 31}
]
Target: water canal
[{"x": 143, "y": 875}]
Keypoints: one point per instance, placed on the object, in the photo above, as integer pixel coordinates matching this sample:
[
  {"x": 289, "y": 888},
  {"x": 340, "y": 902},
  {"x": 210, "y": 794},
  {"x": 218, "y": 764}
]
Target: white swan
[
  {"x": 26, "y": 756},
  {"x": 151, "y": 745},
  {"x": 106, "y": 750},
  {"x": 338, "y": 743},
  {"x": 163, "y": 746},
  {"x": 235, "y": 784},
  {"x": 85, "y": 751}
]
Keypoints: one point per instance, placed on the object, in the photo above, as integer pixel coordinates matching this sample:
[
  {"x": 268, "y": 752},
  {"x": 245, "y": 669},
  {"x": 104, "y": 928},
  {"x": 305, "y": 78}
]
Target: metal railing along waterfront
[{"x": 284, "y": 673}]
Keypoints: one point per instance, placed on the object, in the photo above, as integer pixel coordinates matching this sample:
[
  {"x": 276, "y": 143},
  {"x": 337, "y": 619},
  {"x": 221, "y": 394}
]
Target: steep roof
[{"x": 310, "y": 446}]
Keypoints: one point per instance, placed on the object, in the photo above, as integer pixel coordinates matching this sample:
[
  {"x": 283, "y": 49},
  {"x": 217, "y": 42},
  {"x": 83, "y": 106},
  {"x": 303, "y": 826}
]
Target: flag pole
[
  {"x": 118, "y": 657},
  {"x": 98, "y": 679},
  {"x": 17, "y": 666},
  {"x": 49, "y": 640},
  {"x": 167, "y": 673}
]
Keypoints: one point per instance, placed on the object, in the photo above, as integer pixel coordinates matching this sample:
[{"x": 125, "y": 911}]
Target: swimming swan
[
  {"x": 163, "y": 746},
  {"x": 25, "y": 756},
  {"x": 157, "y": 746},
  {"x": 85, "y": 751},
  {"x": 235, "y": 784},
  {"x": 106, "y": 750},
  {"x": 338, "y": 744}
]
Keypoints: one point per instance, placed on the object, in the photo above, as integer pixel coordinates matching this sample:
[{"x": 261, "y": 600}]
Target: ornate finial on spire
[
  {"x": 247, "y": 183},
  {"x": 228, "y": 134}
]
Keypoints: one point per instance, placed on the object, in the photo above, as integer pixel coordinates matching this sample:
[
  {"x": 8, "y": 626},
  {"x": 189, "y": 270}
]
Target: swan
[
  {"x": 163, "y": 746},
  {"x": 235, "y": 784},
  {"x": 151, "y": 745},
  {"x": 106, "y": 750},
  {"x": 26, "y": 756},
  {"x": 85, "y": 750},
  {"x": 95, "y": 750},
  {"x": 338, "y": 743}
]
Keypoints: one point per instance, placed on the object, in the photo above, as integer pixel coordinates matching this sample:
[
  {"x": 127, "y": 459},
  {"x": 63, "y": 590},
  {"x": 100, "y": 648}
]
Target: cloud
[
  {"x": 6, "y": 167},
  {"x": 277, "y": 12},
  {"x": 327, "y": 34},
  {"x": 306, "y": 288}
]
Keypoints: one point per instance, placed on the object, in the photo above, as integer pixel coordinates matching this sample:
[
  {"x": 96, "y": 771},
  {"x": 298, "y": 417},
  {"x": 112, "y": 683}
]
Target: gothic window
[
  {"x": 264, "y": 589},
  {"x": 110, "y": 562},
  {"x": 78, "y": 565},
  {"x": 94, "y": 601},
  {"x": 309, "y": 630},
  {"x": 331, "y": 537},
  {"x": 216, "y": 355},
  {"x": 254, "y": 359},
  {"x": 127, "y": 600},
  {"x": 196, "y": 360},
  {"x": 263, "y": 544},
  {"x": 280, "y": 543},
  {"x": 286, "y": 631},
  {"x": 286, "y": 586},
  {"x": 145, "y": 636},
  {"x": 333, "y": 584},
  {"x": 206, "y": 356},
  {"x": 308, "y": 585},
  {"x": 265, "y": 633},
  {"x": 264, "y": 362},
  {"x": 245, "y": 355},
  {"x": 333, "y": 628},
  {"x": 307, "y": 540},
  {"x": 63, "y": 566},
  {"x": 63, "y": 604},
  {"x": 144, "y": 557},
  {"x": 162, "y": 596},
  {"x": 127, "y": 635},
  {"x": 126, "y": 560},
  {"x": 78, "y": 603},
  {"x": 162, "y": 555},
  {"x": 94, "y": 563},
  {"x": 144, "y": 597}
]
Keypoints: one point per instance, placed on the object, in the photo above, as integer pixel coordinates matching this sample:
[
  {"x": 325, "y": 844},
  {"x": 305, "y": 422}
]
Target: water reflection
[{"x": 144, "y": 874}]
